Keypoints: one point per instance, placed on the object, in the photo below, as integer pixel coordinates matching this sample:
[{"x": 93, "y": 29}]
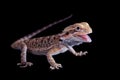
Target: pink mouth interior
[{"x": 86, "y": 38}]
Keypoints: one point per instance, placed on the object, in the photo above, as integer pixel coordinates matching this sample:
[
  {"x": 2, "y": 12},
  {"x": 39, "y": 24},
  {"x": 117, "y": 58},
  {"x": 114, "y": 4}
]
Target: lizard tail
[
  {"x": 44, "y": 28},
  {"x": 14, "y": 45}
]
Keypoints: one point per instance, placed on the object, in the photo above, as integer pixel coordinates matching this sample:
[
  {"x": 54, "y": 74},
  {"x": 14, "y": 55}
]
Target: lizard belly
[
  {"x": 62, "y": 50},
  {"x": 37, "y": 52}
]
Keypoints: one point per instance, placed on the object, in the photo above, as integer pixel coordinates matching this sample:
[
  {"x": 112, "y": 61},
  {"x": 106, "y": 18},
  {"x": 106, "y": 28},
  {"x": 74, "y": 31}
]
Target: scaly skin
[{"x": 52, "y": 45}]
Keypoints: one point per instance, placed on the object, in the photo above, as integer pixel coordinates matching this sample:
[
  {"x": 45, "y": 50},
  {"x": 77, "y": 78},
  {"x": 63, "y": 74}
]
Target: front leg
[
  {"x": 52, "y": 62},
  {"x": 76, "y": 53}
]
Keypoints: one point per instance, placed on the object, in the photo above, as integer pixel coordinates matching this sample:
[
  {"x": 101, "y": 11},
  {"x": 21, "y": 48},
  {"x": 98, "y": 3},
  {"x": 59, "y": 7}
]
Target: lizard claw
[
  {"x": 81, "y": 53},
  {"x": 56, "y": 66},
  {"x": 24, "y": 64}
]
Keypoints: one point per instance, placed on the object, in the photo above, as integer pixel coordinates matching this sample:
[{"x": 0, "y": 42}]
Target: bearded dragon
[{"x": 51, "y": 45}]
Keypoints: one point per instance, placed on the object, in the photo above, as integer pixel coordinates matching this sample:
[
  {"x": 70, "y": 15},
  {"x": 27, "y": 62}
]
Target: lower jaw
[{"x": 85, "y": 38}]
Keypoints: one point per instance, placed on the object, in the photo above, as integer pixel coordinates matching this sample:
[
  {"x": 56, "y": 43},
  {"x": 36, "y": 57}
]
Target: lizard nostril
[{"x": 67, "y": 33}]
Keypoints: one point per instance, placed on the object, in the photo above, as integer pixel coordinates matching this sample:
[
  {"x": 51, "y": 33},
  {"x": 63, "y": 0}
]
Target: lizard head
[{"x": 79, "y": 31}]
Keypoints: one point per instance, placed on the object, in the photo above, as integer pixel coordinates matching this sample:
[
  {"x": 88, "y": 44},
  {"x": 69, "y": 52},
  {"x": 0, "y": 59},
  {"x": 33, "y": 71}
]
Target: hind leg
[{"x": 24, "y": 62}]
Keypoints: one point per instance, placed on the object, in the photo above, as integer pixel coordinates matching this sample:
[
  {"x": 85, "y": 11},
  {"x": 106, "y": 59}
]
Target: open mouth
[{"x": 86, "y": 38}]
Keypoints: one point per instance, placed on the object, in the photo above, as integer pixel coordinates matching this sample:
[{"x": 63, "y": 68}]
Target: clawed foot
[
  {"x": 55, "y": 66},
  {"x": 24, "y": 64},
  {"x": 81, "y": 53}
]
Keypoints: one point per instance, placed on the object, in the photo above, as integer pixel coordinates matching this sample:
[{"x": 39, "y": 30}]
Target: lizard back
[{"x": 42, "y": 43}]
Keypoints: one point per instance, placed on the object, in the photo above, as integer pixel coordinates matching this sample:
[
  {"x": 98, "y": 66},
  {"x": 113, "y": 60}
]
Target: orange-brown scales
[
  {"x": 71, "y": 36},
  {"x": 42, "y": 44}
]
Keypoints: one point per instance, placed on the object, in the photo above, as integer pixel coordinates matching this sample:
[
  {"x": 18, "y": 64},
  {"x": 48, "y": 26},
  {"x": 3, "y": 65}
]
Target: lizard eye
[{"x": 77, "y": 28}]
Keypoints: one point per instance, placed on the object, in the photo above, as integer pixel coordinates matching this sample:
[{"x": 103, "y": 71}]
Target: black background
[{"x": 23, "y": 19}]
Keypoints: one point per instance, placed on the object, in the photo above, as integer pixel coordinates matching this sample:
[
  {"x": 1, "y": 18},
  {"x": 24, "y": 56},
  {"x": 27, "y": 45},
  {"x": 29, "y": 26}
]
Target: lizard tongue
[{"x": 86, "y": 38}]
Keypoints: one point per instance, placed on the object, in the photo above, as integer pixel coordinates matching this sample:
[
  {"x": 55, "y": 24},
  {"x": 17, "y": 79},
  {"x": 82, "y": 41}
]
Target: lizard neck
[{"x": 70, "y": 40}]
